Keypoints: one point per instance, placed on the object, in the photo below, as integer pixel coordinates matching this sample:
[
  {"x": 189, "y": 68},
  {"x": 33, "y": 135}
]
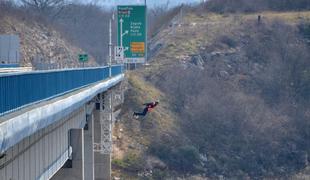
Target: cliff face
[{"x": 42, "y": 47}]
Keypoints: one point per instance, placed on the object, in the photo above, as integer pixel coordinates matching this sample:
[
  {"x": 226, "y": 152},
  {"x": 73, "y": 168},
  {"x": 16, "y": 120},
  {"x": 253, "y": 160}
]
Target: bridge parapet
[
  {"x": 16, "y": 126},
  {"x": 18, "y": 90}
]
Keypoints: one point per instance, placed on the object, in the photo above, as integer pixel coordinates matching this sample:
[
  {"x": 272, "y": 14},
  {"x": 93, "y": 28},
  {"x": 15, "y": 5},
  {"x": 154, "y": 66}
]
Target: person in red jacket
[{"x": 148, "y": 108}]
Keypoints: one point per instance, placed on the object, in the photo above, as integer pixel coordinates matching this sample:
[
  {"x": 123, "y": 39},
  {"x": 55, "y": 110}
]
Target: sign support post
[{"x": 83, "y": 58}]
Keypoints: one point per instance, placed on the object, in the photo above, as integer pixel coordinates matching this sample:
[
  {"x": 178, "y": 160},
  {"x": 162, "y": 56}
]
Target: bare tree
[{"x": 52, "y": 8}]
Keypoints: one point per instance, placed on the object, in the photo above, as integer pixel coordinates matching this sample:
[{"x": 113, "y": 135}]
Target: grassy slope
[
  {"x": 132, "y": 137},
  {"x": 198, "y": 30},
  {"x": 201, "y": 29}
]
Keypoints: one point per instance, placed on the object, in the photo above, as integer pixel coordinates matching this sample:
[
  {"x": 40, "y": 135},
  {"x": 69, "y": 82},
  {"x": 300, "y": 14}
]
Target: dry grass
[
  {"x": 134, "y": 136},
  {"x": 202, "y": 29},
  {"x": 146, "y": 92},
  {"x": 288, "y": 17},
  {"x": 198, "y": 30}
]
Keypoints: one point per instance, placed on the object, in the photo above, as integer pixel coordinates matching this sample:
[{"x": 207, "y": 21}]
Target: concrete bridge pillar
[
  {"x": 74, "y": 167},
  {"x": 102, "y": 136},
  {"x": 88, "y": 148},
  {"x": 77, "y": 144},
  {"x": 72, "y": 139}
]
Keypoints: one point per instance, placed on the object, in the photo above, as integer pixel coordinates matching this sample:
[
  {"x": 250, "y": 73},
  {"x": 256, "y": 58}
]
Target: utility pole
[
  {"x": 181, "y": 14},
  {"x": 110, "y": 48},
  {"x": 146, "y": 28},
  {"x": 110, "y": 44}
]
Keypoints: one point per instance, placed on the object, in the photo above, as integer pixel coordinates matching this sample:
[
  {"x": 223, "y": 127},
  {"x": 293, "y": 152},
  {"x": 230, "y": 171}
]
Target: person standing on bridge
[{"x": 148, "y": 108}]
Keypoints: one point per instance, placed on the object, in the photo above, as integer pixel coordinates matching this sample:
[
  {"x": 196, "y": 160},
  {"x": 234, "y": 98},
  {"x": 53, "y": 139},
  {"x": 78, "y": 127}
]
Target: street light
[{"x": 110, "y": 44}]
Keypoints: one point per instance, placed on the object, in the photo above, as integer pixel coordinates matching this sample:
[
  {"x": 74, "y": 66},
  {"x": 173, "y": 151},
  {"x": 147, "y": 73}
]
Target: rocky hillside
[
  {"x": 234, "y": 100},
  {"x": 41, "y": 46}
]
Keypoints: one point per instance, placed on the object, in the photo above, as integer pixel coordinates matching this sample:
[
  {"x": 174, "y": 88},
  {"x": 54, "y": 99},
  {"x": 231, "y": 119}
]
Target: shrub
[
  {"x": 304, "y": 29},
  {"x": 229, "y": 6},
  {"x": 159, "y": 174},
  {"x": 182, "y": 158},
  {"x": 257, "y": 133},
  {"x": 186, "y": 158},
  {"x": 131, "y": 162},
  {"x": 228, "y": 41}
]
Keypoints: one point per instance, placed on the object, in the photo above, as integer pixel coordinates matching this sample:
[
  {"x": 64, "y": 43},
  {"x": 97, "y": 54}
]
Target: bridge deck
[
  {"x": 25, "y": 121},
  {"x": 18, "y": 90}
]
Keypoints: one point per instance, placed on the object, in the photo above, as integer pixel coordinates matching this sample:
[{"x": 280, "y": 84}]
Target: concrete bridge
[{"x": 57, "y": 124}]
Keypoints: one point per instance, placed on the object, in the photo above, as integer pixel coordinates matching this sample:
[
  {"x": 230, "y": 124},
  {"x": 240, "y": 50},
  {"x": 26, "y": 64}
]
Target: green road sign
[
  {"x": 131, "y": 34},
  {"x": 83, "y": 57}
]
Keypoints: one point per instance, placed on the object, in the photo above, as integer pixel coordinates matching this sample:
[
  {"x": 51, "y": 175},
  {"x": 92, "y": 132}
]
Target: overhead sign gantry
[{"x": 131, "y": 35}]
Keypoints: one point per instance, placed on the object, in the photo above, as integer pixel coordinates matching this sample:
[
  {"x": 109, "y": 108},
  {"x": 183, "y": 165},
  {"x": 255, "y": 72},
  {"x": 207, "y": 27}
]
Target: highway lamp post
[
  {"x": 110, "y": 75},
  {"x": 146, "y": 31},
  {"x": 110, "y": 95},
  {"x": 110, "y": 43},
  {"x": 110, "y": 48}
]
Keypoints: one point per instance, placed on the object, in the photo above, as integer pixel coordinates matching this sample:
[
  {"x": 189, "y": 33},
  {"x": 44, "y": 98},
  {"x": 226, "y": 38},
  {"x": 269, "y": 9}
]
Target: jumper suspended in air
[{"x": 148, "y": 108}]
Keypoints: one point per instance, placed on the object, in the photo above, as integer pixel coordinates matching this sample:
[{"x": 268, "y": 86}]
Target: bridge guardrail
[
  {"x": 18, "y": 90},
  {"x": 9, "y": 65}
]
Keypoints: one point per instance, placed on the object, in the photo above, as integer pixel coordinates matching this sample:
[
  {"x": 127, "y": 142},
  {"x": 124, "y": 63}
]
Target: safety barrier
[
  {"x": 9, "y": 65},
  {"x": 18, "y": 90}
]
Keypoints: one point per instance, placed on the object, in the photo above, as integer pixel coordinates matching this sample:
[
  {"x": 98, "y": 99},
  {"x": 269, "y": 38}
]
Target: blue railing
[
  {"x": 9, "y": 65},
  {"x": 21, "y": 89}
]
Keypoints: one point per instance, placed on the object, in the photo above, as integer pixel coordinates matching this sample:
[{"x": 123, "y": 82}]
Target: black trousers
[{"x": 142, "y": 113}]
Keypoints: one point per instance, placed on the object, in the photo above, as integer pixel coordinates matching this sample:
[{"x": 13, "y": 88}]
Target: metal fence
[
  {"x": 9, "y": 65},
  {"x": 21, "y": 89}
]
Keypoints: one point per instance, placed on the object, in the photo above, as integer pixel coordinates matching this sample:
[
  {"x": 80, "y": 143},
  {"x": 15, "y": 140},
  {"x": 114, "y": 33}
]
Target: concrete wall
[{"x": 40, "y": 155}]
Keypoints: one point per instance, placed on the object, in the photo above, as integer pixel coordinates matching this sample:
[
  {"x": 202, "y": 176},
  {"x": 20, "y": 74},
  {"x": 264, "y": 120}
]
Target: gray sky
[{"x": 149, "y": 2}]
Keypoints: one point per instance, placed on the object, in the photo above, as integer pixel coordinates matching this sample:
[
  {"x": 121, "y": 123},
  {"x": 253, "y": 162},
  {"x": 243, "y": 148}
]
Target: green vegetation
[
  {"x": 159, "y": 174},
  {"x": 183, "y": 158},
  {"x": 131, "y": 162},
  {"x": 304, "y": 29}
]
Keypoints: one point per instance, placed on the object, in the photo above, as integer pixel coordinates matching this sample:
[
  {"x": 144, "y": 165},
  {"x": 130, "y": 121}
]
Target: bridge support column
[
  {"x": 88, "y": 148},
  {"x": 107, "y": 168},
  {"x": 77, "y": 144},
  {"x": 103, "y": 136}
]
